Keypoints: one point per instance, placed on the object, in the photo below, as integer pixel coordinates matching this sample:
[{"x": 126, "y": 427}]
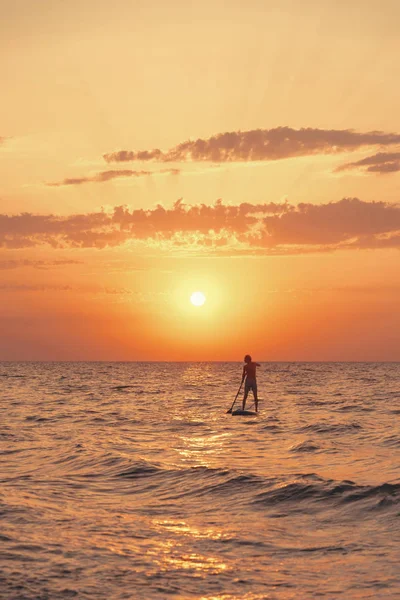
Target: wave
[
  {"x": 393, "y": 440},
  {"x": 305, "y": 447},
  {"x": 273, "y": 428},
  {"x": 312, "y": 495},
  {"x": 337, "y": 428},
  {"x": 304, "y": 492},
  {"x": 13, "y": 376},
  {"x": 120, "y": 388},
  {"x": 140, "y": 470},
  {"x": 353, "y": 408}
]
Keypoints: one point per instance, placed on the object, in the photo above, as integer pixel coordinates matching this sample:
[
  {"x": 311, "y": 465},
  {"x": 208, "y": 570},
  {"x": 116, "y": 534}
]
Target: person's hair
[{"x": 247, "y": 357}]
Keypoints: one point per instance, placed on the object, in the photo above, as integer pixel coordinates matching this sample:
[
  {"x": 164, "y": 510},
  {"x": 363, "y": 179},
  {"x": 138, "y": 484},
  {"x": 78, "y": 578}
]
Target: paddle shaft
[{"x": 233, "y": 403}]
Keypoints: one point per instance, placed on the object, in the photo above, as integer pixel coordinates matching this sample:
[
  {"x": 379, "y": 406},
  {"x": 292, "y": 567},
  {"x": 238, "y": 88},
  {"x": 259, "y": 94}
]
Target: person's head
[{"x": 247, "y": 358}]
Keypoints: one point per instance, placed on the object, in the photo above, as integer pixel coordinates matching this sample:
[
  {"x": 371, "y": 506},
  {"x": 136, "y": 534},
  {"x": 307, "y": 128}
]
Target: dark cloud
[
  {"x": 382, "y": 162},
  {"x": 100, "y": 177},
  {"x": 268, "y": 228},
  {"x": 378, "y": 242},
  {"x": 46, "y": 287},
  {"x": 36, "y": 264},
  {"x": 26, "y": 287},
  {"x": 261, "y": 144},
  {"x": 331, "y": 223},
  {"x": 108, "y": 175}
]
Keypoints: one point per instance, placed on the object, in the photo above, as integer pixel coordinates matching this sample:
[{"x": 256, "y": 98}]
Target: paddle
[{"x": 233, "y": 403}]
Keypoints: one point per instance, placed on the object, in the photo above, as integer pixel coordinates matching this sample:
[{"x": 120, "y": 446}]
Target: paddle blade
[{"x": 228, "y": 412}]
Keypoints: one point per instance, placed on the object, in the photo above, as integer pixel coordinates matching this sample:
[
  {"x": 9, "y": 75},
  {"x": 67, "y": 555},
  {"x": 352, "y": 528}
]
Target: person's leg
[
  {"x": 255, "y": 396},
  {"x": 246, "y": 393}
]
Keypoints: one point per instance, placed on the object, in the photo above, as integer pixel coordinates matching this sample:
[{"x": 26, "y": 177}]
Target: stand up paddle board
[{"x": 243, "y": 413}]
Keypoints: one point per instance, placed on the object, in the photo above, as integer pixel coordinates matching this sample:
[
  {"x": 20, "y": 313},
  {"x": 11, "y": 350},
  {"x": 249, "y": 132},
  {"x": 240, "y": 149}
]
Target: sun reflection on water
[
  {"x": 171, "y": 553},
  {"x": 200, "y": 449},
  {"x": 183, "y": 528},
  {"x": 178, "y": 553}
]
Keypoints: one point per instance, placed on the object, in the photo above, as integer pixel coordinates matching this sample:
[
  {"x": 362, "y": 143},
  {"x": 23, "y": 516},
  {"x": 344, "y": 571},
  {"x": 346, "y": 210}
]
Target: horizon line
[{"x": 203, "y": 361}]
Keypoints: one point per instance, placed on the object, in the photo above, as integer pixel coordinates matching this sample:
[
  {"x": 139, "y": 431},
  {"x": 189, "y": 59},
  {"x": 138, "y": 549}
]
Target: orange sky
[{"x": 248, "y": 150}]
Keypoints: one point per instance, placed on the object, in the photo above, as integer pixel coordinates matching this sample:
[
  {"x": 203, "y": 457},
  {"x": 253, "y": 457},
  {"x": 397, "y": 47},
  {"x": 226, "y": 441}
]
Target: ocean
[{"x": 129, "y": 480}]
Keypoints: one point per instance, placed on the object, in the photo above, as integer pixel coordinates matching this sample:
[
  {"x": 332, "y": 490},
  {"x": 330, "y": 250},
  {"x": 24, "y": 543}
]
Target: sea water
[{"x": 129, "y": 480}]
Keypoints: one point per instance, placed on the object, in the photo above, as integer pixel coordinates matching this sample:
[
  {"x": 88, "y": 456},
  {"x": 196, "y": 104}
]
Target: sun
[{"x": 197, "y": 298}]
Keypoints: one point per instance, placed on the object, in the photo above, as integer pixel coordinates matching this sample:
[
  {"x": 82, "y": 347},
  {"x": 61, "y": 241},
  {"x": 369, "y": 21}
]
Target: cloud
[
  {"x": 35, "y": 264},
  {"x": 100, "y": 177},
  {"x": 170, "y": 171},
  {"x": 46, "y": 287},
  {"x": 382, "y": 162},
  {"x": 268, "y": 228},
  {"x": 109, "y": 175},
  {"x": 4, "y": 139},
  {"x": 332, "y": 223},
  {"x": 25, "y": 287},
  {"x": 379, "y": 242},
  {"x": 260, "y": 145}
]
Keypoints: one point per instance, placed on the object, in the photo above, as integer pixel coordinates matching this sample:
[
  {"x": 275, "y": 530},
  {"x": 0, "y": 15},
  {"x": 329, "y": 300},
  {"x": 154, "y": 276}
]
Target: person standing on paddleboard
[{"x": 249, "y": 373}]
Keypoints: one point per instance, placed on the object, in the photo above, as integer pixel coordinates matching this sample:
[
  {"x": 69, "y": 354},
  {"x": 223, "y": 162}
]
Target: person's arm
[{"x": 244, "y": 373}]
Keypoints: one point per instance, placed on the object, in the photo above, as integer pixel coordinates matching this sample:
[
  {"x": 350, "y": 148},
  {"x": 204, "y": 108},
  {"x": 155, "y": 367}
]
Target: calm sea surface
[{"x": 129, "y": 480}]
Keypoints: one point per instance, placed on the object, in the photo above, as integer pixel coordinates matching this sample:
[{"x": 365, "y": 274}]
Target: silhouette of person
[{"x": 249, "y": 373}]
